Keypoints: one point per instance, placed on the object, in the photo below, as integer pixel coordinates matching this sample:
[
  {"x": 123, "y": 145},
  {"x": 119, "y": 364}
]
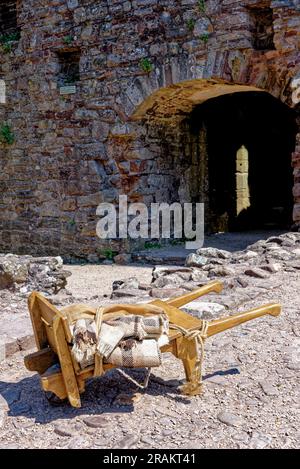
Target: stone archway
[
  {"x": 177, "y": 159},
  {"x": 173, "y": 102}
]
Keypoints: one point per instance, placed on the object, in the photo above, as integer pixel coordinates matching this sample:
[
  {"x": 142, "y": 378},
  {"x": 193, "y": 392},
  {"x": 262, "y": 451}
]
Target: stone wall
[{"x": 72, "y": 151}]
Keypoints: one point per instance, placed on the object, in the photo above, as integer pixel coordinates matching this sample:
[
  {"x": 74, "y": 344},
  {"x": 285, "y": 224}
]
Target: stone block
[
  {"x": 91, "y": 200},
  {"x": 296, "y": 213},
  {"x": 296, "y": 190},
  {"x": 242, "y": 166},
  {"x": 242, "y": 181},
  {"x": 243, "y": 193}
]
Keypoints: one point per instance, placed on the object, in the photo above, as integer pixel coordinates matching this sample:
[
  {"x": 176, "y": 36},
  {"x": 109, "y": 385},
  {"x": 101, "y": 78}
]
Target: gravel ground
[
  {"x": 88, "y": 280},
  {"x": 250, "y": 399}
]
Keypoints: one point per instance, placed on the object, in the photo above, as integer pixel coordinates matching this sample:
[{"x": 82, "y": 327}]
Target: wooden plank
[
  {"x": 47, "y": 306},
  {"x": 40, "y": 361},
  {"x": 54, "y": 383},
  {"x": 37, "y": 324},
  {"x": 69, "y": 337},
  {"x": 39, "y": 308},
  {"x": 51, "y": 337},
  {"x": 66, "y": 363},
  {"x": 48, "y": 312}
]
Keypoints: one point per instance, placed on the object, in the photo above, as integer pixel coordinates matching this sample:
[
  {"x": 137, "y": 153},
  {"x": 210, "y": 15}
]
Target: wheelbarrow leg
[
  {"x": 186, "y": 349},
  {"x": 187, "y": 352}
]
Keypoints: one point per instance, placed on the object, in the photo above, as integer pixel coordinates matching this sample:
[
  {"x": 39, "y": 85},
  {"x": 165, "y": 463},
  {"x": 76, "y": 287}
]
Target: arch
[
  {"x": 175, "y": 101},
  {"x": 178, "y": 86},
  {"x": 185, "y": 160}
]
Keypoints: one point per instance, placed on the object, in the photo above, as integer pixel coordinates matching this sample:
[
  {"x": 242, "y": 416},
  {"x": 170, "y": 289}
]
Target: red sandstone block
[
  {"x": 296, "y": 172},
  {"x": 272, "y": 54},
  {"x": 296, "y": 190},
  {"x": 296, "y": 212},
  {"x": 296, "y": 160}
]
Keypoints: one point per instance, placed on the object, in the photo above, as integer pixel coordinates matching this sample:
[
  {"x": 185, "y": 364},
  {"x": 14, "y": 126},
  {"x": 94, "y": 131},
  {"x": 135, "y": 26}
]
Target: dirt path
[{"x": 89, "y": 280}]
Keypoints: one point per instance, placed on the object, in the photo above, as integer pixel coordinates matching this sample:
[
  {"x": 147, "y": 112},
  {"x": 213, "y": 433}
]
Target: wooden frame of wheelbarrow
[{"x": 54, "y": 340}]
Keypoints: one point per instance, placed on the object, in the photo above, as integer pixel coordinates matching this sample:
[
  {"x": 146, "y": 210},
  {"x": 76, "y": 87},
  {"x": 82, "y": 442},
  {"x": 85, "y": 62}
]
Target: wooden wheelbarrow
[{"x": 67, "y": 380}]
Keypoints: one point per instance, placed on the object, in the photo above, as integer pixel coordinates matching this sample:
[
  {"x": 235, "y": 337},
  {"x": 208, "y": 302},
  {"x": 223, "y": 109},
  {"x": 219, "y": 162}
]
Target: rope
[
  {"x": 199, "y": 336},
  {"x": 98, "y": 369},
  {"x": 141, "y": 386}
]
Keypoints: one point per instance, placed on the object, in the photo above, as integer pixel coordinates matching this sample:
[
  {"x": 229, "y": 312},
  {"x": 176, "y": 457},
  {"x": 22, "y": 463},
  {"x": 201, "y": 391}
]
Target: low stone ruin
[
  {"x": 27, "y": 273},
  {"x": 245, "y": 274},
  {"x": 260, "y": 259}
]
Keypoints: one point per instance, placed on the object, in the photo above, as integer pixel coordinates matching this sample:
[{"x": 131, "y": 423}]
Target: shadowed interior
[{"x": 267, "y": 129}]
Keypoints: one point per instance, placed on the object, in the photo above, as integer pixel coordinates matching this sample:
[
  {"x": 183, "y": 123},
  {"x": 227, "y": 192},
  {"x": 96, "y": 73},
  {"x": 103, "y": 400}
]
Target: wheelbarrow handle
[
  {"x": 222, "y": 324},
  {"x": 214, "y": 286}
]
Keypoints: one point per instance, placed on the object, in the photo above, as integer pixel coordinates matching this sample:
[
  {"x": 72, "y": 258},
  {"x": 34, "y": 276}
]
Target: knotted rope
[{"x": 199, "y": 336}]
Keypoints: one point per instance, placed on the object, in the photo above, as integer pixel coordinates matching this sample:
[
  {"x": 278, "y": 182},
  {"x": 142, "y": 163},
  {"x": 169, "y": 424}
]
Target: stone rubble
[
  {"x": 245, "y": 273},
  {"x": 204, "y": 309},
  {"x": 27, "y": 273},
  {"x": 19, "y": 276}
]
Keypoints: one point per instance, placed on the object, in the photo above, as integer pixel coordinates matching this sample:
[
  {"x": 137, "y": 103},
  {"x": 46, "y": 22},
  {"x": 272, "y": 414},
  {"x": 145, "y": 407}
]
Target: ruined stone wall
[{"x": 72, "y": 151}]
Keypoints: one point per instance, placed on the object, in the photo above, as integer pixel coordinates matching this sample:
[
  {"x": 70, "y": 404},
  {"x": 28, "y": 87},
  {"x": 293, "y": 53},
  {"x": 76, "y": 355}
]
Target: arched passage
[
  {"x": 226, "y": 145},
  {"x": 249, "y": 141}
]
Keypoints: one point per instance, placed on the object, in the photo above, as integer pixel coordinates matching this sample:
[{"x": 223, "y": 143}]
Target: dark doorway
[
  {"x": 250, "y": 138},
  {"x": 9, "y": 19}
]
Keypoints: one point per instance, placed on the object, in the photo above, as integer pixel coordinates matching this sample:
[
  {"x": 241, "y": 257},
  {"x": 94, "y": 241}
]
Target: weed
[
  {"x": 6, "y": 134},
  {"x": 152, "y": 245},
  {"x": 7, "y": 40},
  {"x": 7, "y": 48},
  {"x": 146, "y": 65},
  {"x": 175, "y": 242},
  {"x": 109, "y": 253},
  {"x": 191, "y": 24},
  {"x": 201, "y": 6},
  {"x": 204, "y": 38},
  {"x": 12, "y": 37},
  {"x": 68, "y": 39}
]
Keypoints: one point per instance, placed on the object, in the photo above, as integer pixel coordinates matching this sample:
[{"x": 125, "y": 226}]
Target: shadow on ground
[
  {"x": 231, "y": 241},
  {"x": 26, "y": 398}
]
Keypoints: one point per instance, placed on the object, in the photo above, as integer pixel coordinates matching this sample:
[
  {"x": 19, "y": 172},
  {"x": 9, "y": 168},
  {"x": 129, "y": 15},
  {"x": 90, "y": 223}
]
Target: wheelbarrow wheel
[{"x": 53, "y": 399}]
